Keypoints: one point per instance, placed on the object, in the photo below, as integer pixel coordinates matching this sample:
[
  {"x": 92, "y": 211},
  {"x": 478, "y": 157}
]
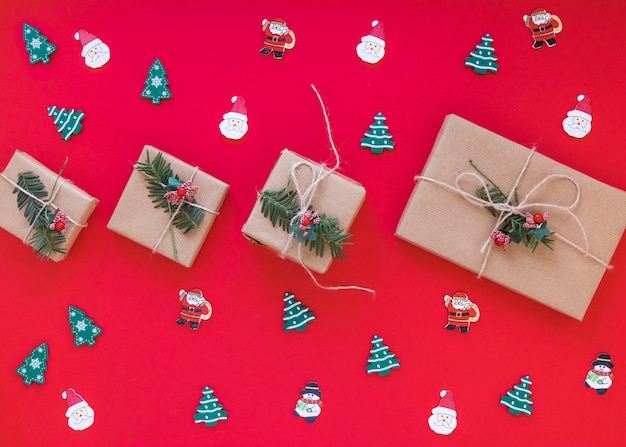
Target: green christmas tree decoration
[
  {"x": 156, "y": 84},
  {"x": 35, "y": 365},
  {"x": 483, "y": 59},
  {"x": 37, "y": 45},
  {"x": 68, "y": 121},
  {"x": 378, "y": 137},
  {"x": 382, "y": 360},
  {"x": 518, "y": 399},
  {"x": 83, "y": 327},
  {"x": 296, "y": 316},
  {"x": 209, "y": 411}
]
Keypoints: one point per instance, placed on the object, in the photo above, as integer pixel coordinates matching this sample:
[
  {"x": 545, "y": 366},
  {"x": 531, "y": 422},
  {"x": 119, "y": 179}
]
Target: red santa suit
[
  {"x": 193, "y": 312},
  {"x": 460, "y": 318},
  {"x": 544, "y": 32},
  {"x": 277, "y": 42}
]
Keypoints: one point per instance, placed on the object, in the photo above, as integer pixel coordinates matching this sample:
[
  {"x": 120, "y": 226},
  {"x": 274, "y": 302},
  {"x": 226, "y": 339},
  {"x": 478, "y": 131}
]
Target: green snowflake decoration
[
  {"x": 296, "y": 316},
  {"x": 209, "y": 412},
  {"x": 35, "y": 365},
  {"x": 527, "y": 229},
  {"x": 483, "y": 59},
  {"x": 311, "y": 227},
  {"x": 68, "y": 121},
  {"x": 378, "y": 137},
  {"x": 156, "y": 84},
  {"x": 37, "y": 45},
  {"x": 518, "y": 399},
  {"x": 381, "y": 360},
  {"x": 48, "y": 225},
  {"x": 83, "y": 327}
]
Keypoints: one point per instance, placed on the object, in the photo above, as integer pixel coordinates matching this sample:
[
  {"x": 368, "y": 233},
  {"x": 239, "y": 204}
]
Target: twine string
[
  {"x": 44, "y": 204},
  {"x": 177, "y": 210},
  {"x": 507, "y": 209},
  {"x": 305, "y": 197}
]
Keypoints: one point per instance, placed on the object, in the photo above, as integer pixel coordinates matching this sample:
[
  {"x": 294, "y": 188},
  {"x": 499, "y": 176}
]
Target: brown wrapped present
[
  {"x": 336, "y": 195},
  {"x": 62, "y": 195},
  {"x": 445, "y": 217},
  {"x": 136, "y": 217}
]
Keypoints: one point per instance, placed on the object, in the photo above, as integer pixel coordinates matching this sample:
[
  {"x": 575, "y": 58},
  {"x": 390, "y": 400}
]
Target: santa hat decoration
[
  {"x": 87, "y": 40},
  {"x": 74, "y": 401},
  {"x": 583, "y": 108},
  {"x": 238, "y": 111},
  {"x": 538, "y": 11},
  {"x": 460, "y": 296},
  {"x": 446, "y": 404},
  {"x": 376, "y": 35}
]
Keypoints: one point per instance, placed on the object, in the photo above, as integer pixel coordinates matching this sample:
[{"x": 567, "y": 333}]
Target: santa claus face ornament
[
  {"x": 95, "y": 52},
  {"x": 234, "y": 125},
  {"x": 578, "y": 121},
  {"x": 80, "y": 415},
  {"x": 443, "y": 418},
  {"x": 371, "y": 49}
]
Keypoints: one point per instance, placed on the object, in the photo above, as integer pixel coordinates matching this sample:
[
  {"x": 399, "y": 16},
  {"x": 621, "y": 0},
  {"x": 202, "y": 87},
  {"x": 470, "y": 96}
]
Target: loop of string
[
  {"x": 177, "y": 210},
  {"x": 506, "y": 209},
  {"x": 305, "y": 197},
  {"x": 44, "y": 203}
]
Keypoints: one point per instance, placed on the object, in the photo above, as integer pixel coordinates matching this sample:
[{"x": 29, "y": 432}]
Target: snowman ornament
[
  {"x": 600, "y": 377},
  {"x": 309, "y": 406}
]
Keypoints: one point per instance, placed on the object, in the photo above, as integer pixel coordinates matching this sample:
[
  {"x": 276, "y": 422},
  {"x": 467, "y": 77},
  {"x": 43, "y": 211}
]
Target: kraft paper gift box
[
  {"x": 336, "y": 196},
  {"x": 77, "y": 204},
  {"x": 441, "y": 220},
  {"x": 136, "y": 218}
]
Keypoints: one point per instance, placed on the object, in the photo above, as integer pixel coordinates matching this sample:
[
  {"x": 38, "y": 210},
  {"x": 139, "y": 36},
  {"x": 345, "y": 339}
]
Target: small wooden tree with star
[
  {"x": 35, "y": 365},
  {"x": 381, "y": 360},
  {"x": 83, "y": 327},
  {"x": 156, "y": 84},
  {"x": 296, "y": 316},
  {"x": 483, "y": 59},
  {"x": 37, "y": 45},
  {"x": 378, "y": 137},
  {"x": 209, "y": 411},
  {"x": 518, "y": 399}
]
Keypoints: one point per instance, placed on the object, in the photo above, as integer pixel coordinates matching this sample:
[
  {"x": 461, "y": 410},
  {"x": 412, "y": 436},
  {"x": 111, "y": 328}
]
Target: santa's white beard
[
  {"x": 82, "y": 422},
  {"x": 278, "y": 29},
  {"x": 461, "y": 304},
  {"x": 233, "y": 132},
  {"x": 367, "y": 55},
  {"x": 541, "y": 20},
  {"x": 575, "y": 130},
  {"x": 98, "y": 59},
  {"x": 440, "y": 427},
  {"x": 194, "y": 300}
]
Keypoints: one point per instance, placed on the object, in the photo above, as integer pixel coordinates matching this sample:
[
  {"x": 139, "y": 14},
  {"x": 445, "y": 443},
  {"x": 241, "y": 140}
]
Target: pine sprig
[
  {"x": 280, "y": 207},
  {"x": 160, "y": 180},
  {"x": 44, "y": 241},
  {"x": 515, "y": 226}
]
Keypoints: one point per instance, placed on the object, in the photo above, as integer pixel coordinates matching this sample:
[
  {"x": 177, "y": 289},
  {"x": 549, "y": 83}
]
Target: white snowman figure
[
  {"x": 600, "y": 377},
  {"x": 309, "y": 406}
]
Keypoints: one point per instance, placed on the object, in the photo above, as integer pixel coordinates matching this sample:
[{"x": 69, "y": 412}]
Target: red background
[{"x": 145, "y": 374}]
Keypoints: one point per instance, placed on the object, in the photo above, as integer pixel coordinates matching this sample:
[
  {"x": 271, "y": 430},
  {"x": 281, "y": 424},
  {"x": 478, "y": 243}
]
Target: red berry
[
  {"x": 499, "y": 241},
  {"x": 538, "y": 218},
  {"x": 181, "y": 191},
  {"x": 59, "y": 226},
  {"x": 306, "y": 221}
]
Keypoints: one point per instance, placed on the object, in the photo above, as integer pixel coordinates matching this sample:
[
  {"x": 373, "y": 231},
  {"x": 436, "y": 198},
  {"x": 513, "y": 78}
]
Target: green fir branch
[
  {"x": 160, "y": 180},
  {"x": 280, "y": 208},
  {"x": 44, "y": 241}
]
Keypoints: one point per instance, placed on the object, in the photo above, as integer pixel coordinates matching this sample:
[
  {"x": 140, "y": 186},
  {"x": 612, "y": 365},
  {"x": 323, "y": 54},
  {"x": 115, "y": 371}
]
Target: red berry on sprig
[
  {"x": 181, "y": 191},
  {"x": 306, "y": 221},
  {"x": 59, "y": 225},
  {"x": 538, "y": 218}
]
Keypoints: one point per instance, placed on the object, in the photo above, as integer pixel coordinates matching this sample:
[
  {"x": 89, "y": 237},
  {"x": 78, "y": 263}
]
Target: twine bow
[
  {"x": 507, "y": 209},
  {"x": 44, "y": 203},
  {"x": 305, "y": 197}
]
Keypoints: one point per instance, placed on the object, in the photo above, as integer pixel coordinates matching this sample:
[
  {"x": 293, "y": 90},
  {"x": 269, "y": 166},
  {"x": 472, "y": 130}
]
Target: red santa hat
[
  {"x": 87, "y": 40},
  {"x": 376, "y": 35},
  {"x": 238, "y": 111},
  {"x": 446, "y": 404},
  {"x": 74, "y": 401},
  {"x": 583, "y": 108},
  {"x": 460, "y": 296},
  {"x": 538, "y": 11}
]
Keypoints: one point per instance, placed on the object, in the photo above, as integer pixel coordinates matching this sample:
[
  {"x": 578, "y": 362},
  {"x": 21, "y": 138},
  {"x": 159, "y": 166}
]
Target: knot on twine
[
  {"x": 506, "y": 209},
  {"x": 305, "y": 196},
  {"x": 175, "y": 213},
  {"x": 44, "y": 203}
]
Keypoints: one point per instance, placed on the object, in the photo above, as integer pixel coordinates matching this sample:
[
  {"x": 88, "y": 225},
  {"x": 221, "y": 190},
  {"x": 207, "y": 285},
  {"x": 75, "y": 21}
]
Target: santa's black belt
[
  {"x": 275, "y": 39},
  {"x": 460, "y": 314},
  {"x": 543, "y": 28},
  {"x": 189, "y": 309}
]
